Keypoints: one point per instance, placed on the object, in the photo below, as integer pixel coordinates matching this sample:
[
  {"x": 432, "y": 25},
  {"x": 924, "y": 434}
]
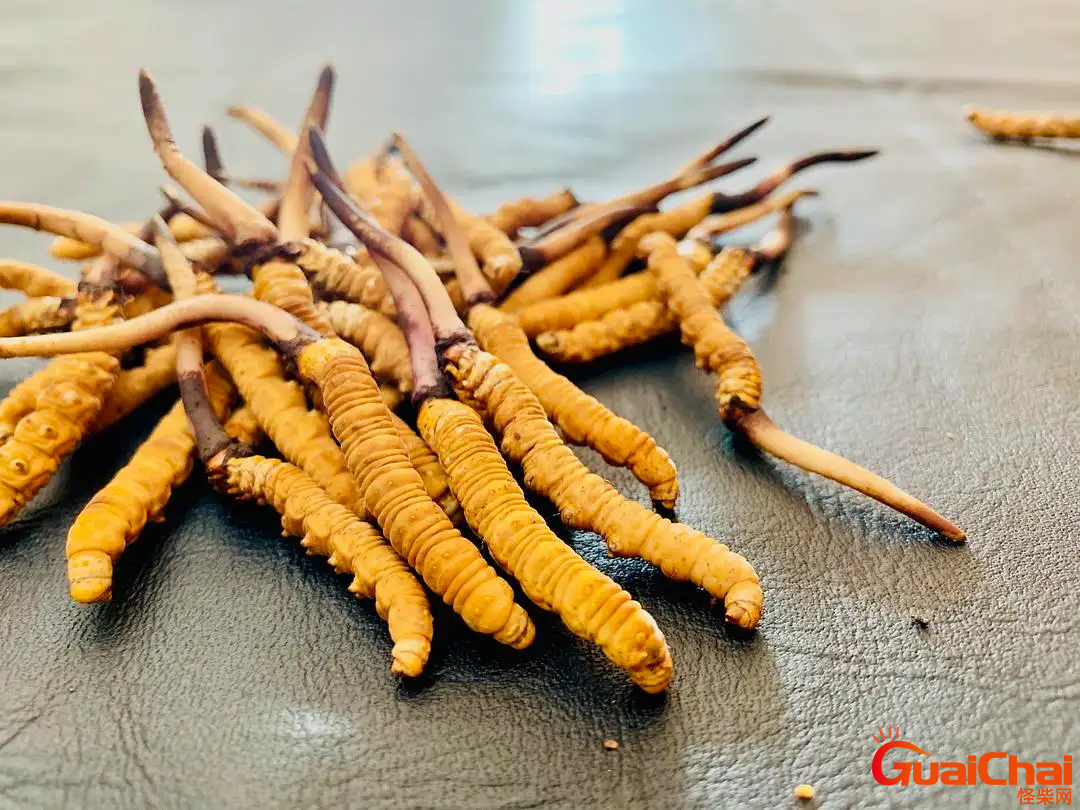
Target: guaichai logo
[
  {"x": 976, "y": 771},
  {"x": 889, "y": 742}
]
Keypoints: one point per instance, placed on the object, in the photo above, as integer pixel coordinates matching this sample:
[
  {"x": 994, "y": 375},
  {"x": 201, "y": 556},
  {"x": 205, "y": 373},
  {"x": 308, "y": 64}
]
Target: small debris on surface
[
  {"x": 611, "y": 745},
  {"x": 805, "y": 792},
  {"x": 920, "y": 621}
]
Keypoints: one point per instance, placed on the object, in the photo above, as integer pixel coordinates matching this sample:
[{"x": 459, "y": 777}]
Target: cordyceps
[
  {"x": 378, "y": 337},
  {"x": 677, "y": 221},
  {"x": 36, "y": 315},
  {"x": 277, "y": 279},
  {"x": 589, "y": 304},
  {"x": 649, "y": 318},
  {"x": 1023, "y": 126},
  {"x": 135, "y": 386},
  {"x": 34, "y": 281},
  {"x": 550, "y": 572},
  {"x": 583, "y": 419},
  {"x": 738, "y": 389},
  {"x": 393, "y": 490},
  {"x": 531, "y": 212}
]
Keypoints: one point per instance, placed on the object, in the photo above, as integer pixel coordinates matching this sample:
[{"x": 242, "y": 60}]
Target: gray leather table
[{"x": 926, "y": 325}]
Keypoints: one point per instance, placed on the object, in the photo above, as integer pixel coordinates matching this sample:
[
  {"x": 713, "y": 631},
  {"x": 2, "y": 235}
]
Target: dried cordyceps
[
  {"x": 738, "y": 389},
  {"x": 585, "y": 500},
  {"x": 529, "y": 212},
  {"x": 677, "y": 221},
  {"x": 350, "y": 545},
  {"x": 559, "y": 276},
  {"x": 425, "y": 462},
  {"x": 550, "y": 572},
  {"x": 277, "y": 279},
  {"x": 34, "y": 281},
  {"x": 35, "y": 315},
  {"x": 134, "y": 386},
  {"x": 645, "y": 320},
  {"x": 243, "y": 427},
  {"x": 137, "y": 494},
  {"x": 378, "y": 337},
  {"x": 1023, "y": 126},
  {"x": 582, "y": 418},
  {"x": 393, "y": 491}
]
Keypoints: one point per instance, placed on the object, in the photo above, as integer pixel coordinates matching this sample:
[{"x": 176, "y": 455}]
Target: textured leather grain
[{"x": 925, "y": 325}]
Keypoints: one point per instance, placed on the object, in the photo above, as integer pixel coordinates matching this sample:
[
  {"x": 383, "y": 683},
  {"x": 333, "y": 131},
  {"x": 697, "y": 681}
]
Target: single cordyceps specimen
[
  {"x": 68, "y": 400},
  {"x": 134, "y": 386},
  {"x": 721, "y": 276},
  {"x": 530, "y": 212},
  {"x": 559, "y": 276},
  {"x": 34, "y": 281},
  {"x": 378, "y": 337},
  {"x": 677, "y": 221},
  {"x": 1023, "y": 126},
  {"x": 738, "y": 389},
  {"x": 393, "y": 491},
  {"x": 582, "y": 418},
  {"x": 585, "y": 500},
  {"x": 276, "y": 278},
  {"x": 137, "y": 494},
  {"x": 351, "y": 546},
  {"x": 551, "y": 573},
  {"x": 36, "y": 315}
]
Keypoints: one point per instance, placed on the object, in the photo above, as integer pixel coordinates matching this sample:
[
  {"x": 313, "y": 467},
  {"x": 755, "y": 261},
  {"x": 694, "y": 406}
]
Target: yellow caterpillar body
[
  {"x": 583, "y": 419},
  {"x": 579, "y": 306},
  {"x": 559, "y": 276},
  {"x": 641, "y": 322},
  {"x": 425, "y": 462},
  {"x": 352, "y": 547},
  {"x": 285, "y": 285},
  {"x": 378, "y": 337},
  {"x": 550, "y": 572},
  {"x": 531, "y": 212},
  {"x": 243, "y": 427},
  {"x": 394, "y": 493},
  {"x": 339, "y": 276},
  {"x": 35, "y": 315},
  {"x": 716, "y": 347},
  {"x": 587, "y": 501},
  {"x": 499, "y": 259},
  {"x": 34, "y": 281},
  {"x": 183, "y": 228},
  {"x": 134, "y": 386},
  {"x": 1023, "y": 126},
  {"x": 115, "y": 517}
]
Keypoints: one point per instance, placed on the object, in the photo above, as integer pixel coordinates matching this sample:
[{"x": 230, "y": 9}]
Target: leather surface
[{"x": 925, "y": 326}]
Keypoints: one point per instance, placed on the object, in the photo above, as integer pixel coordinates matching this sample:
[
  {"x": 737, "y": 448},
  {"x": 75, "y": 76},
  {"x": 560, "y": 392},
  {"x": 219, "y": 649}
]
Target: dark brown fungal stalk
[
  {"x": 213, "y": 165},
  {"x": 175, "y": 204},
  {"x": 555, "y": 245}
]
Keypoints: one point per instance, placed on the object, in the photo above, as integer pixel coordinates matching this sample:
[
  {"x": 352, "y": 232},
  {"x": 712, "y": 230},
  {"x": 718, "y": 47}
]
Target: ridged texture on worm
[
  {"x": 675, "y": 221},
  {"x": 531, "y": 212},
  {"x": 285, "y": 285},
  {"x": 336, "y": 275},
  {"x": 134, "y": 386},
  {"x": 499, "y": 259},
  {"x": 611, "y": 332},
  {"x": 587, "y": 501},
  {"x": 396, "y": 196},
  {"x": 559, "y": 276},
  {"x": 183, "y": 228},
  {"x": 1022, "y": 126},
  {"x": 417, "y": 528},
  {"x": 35, "y": 315},
  {"x": 576, "y": 307},
  {"x": 34, "y": 281},
  {"x": 550, "y": 572},
  {"x": 243, "y": 427},
  {"x": 716, "y": 347},
  {"x": 378, "y": 337},
  {"x": 66, "y": 406},
  {"x": 641, "y": 322},
  {"x": 115, "y": 517},
  {"x": 425, "y": 462},
  {"x": 352, "y": 547},
  {"x": 582, "y": 418},
  {"x": 302, "y": 435}
]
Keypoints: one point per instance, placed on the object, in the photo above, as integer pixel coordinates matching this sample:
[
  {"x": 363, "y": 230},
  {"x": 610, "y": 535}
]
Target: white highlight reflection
[{"x": 573, "y": 41}]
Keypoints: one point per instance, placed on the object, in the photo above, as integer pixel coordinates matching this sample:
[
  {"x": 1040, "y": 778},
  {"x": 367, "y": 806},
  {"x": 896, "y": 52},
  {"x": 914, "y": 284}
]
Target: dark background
[{"x": 926, "y": 325}]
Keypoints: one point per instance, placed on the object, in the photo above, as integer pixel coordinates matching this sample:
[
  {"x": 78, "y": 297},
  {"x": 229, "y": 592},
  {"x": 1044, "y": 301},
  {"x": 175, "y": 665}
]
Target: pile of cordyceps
[{"x": 427, "y": 301}]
